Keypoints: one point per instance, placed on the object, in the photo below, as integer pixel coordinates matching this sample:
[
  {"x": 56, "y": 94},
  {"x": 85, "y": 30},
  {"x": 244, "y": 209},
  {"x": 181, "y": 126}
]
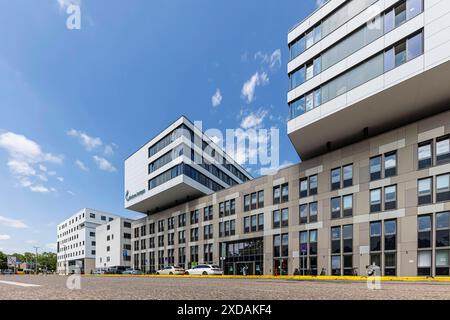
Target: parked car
[
  {"x": 116, "y": 270},
  {"x": 132, "y": 271},
  {"x": 205, "y": 269},
  {"x": 7, "y": 271},
  {"x": 171, "y": 270},
  {"x": 99, "y": 271}
]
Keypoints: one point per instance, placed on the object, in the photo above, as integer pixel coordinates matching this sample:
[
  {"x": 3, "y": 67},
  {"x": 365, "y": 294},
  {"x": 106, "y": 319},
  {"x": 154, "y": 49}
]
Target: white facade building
[
  {"x": 113, "y": 244},
  {"x": 178, "y": 165},
  {"x": 76, "y": 240},
  {"x": 362, "y": 67}
]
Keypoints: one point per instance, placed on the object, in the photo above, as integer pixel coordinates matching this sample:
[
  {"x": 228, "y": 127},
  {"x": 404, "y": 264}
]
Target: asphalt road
[{"x": 106, "y": 288}]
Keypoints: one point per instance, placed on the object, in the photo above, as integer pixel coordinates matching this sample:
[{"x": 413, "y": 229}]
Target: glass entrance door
[{"x": 244, "y": 268}]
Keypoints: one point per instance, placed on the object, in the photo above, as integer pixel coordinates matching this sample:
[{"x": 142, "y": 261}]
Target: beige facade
[{"x": 398, "y": 246}]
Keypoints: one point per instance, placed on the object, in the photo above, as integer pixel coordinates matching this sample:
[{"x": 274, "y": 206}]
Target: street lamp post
[{"x": 35, "y": 260}]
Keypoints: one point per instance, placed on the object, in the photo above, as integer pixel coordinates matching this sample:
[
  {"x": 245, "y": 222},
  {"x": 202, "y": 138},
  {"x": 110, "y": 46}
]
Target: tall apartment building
[
  {"x": 370, "y": 118},
  {"x": 76, "y": 241},
  {"x": 113, "y": 244}
]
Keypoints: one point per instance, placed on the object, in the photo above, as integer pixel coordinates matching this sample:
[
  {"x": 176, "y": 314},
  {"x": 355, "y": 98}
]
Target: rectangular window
[
  {"x": 390, "y": 235},
  {"x": 443, "y": 188},
  {"x": 336, "y": 179},
  {"x": 442, "y": 229},
  {"x": 442, "y": 264},
  {"x": 375, "y": 237},
  {"x": 276, "y": 195},
  {"x": 424, "y": 231},
  {"x": 336, "y": 240},
  {"x": 246, "y": 224},
  {"x": 284, "y": 217},
  {"x": 336, "y": 208},
  {"x": 347, "y": 235},
  {"x": 375, "y": 168},
  {"x": 261, "y": 199},
  {"x": 375, "y": 200},
  {"x": 303, "y": 214},
  {"x": 313, "y": 212},
  {"x": 414, "y": 46},
  {"x": 424, "y": 190},
  {"x": 247, "y": 202},
  {"x": 425, "y": 155},
  {"x": 413, "y": 8},
  {"x": 348, "y": 176},
  {"x": 442, "y": 150},
  {"x": 313, "y": 184},
  {"x": 276, "y": 221},
  {"x": 390, "y": 198},
  {"x": 390, "y": 164},
  {"x": 285, "y": 193},
  {"x": 424, "y": 263},
  {"x": 304, "y": 188},
  {"x": 254, "y": 223},
  {"x": 253, "y": 201},
  {"x": 261, "y": 222},
  {"x": 347, "y": 202}
]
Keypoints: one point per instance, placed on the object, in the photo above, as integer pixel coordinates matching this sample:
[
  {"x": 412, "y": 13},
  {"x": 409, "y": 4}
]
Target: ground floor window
[
  {"x": 280, "y": 267},
  {"x": 245, "y": 257}
]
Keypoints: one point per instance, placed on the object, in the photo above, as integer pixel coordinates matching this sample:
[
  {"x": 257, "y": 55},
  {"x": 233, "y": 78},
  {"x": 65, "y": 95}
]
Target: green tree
[
  {"x": 47, "y": 260},
  {"x": 3, "y": 261}
]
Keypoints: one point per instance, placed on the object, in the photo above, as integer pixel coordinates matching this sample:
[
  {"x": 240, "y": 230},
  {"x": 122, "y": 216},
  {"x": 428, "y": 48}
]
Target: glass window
[
  {"x": 303, "y": 213},
  {"x": 424, "y": 231},
  {"x": 284, "y": 217},
  {"x": 443, "y": 188},
  {"x": 390, "y": 232},
  {"x": 303, "y": 188},
  {"x": 443, "y": 150},
  {"x": 317, "y": 33},
  {"x": 400, "y": 14},
  {"x": 375, "y": 168},
  {"x": 389, "y": 22},
  {"x": 415, "y": 46},
  {"x": 424, "y": 155},
  {"x": 400, "y": 53},
  {"x": 424, "y": 191},
  {"x": 390, "y": 164},
  {"x": 413, "y": 8},
  {"x": 348, "y": 175},
  {"x": 389, "y": 60},
  {"x": 297, "y": 47},
  {"x": 442, "y": 220},
  {"x": 335, "y": 208},
  {"x": 375, "y": 200},
  {"x": 335, "y": 179},
  {"x": 261, "y": 199},
  {"x": 317, "y": 97},
  {"x": 309, "y": 39},
  {"x": 309, "y": 105},
  {"x": 309, "y": 71},
  {"x": 276, "y": 195},
  {"x": 390, "y": 197},
  {"x": 313, "y": 185},
  {"x": 313, "y": 212},
  {"x": 336, "y": 265},
  {"x": 424, "y": 259},
  {"x": 285, "y": 192},
  {"x": 276, "y": 219},
  {"x": 317, "y": 65},
  {"x": 347, "y": 234},
  {"x": 348, "y": 205},
  {"x": 297, "y": 108}
]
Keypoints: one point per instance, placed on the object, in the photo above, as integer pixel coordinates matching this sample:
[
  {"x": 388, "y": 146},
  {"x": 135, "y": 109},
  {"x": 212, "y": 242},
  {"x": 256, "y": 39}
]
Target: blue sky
[{"x": 75, "y": 103}]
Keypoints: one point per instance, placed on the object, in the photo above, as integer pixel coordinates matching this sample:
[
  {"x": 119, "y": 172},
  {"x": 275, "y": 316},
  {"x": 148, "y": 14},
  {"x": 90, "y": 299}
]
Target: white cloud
[
  {"x": 104, "y": 164},
  {"x": 81, "y": 165},
  {"x": 273, "y": 60},
  {"x": 20, "y": 148},
  {"x": 254, "y": 119},
  {"x": 32, "y": 242},
  {"x": 60, "y": 179},
  {"x": 42, "y": 177},
  {"x": 249, "y": 87},
  {"x": 90, "y": 143},
  {"x": 4, "y": 237},
  {"x": 21, "y": 168},
  {"x": 108, "y": 151},
  {"x": 39, "y": 189},
  {"x": 12, "y": 223},
  {"x": 216, "y": 99},
  {"x": 42, "y": 168},
  {"x": 71, "y": 192}
]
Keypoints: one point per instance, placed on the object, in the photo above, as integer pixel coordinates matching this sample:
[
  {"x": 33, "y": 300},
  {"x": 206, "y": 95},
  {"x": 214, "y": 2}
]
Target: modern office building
[
  {"x": 370, "y": 118},
  {"x": 179, "y": 164},
  {"x": 76, "y": 241},
  {"x": 113, "y": 244}
]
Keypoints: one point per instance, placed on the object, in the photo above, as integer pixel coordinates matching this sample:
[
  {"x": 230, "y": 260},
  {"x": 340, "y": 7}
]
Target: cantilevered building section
[
  {"x": 360, "y": 68},
  {"x": 178, "y": 165}
]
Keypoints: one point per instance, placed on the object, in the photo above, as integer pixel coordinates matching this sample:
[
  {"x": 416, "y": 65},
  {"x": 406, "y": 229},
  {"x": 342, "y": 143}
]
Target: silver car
[{"x": 171, "y": 270}]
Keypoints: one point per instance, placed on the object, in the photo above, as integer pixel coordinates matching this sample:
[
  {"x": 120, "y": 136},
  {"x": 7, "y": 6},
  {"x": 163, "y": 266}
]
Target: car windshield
[{"x": 215, "y": 267}]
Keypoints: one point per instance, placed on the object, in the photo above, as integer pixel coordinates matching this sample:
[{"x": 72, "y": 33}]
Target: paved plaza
[{"x": 184, "y": 288}]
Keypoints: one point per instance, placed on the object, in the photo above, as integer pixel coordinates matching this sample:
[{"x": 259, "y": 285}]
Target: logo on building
[{"x": 130, "y": 197}]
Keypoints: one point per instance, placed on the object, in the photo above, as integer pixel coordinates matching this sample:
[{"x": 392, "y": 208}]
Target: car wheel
[
  {"x": 171, "y": 273},
  {"x": 205, "y": 273},
  {"x": 186, "y": 273},
  {"x": 157, "y": 273}
]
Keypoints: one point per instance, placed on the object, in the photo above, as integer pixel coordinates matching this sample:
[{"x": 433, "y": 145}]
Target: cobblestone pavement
[{"x": 54, "y": 287}]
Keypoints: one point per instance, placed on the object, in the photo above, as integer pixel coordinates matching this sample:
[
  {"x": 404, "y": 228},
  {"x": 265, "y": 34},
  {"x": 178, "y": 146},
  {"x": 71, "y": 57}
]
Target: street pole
[{"x": 35, "y": 259}]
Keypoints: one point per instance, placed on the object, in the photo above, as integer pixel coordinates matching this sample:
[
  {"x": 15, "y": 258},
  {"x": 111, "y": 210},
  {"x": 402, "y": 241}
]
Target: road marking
[{"x": 20, "y": 284}]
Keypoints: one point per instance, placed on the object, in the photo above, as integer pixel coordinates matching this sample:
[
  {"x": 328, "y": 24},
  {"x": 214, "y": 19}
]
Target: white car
[
  {"x": 205, "y": 269},
  {"x": 132, "y": 272},
  {"x": 171, "y": 270}
]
